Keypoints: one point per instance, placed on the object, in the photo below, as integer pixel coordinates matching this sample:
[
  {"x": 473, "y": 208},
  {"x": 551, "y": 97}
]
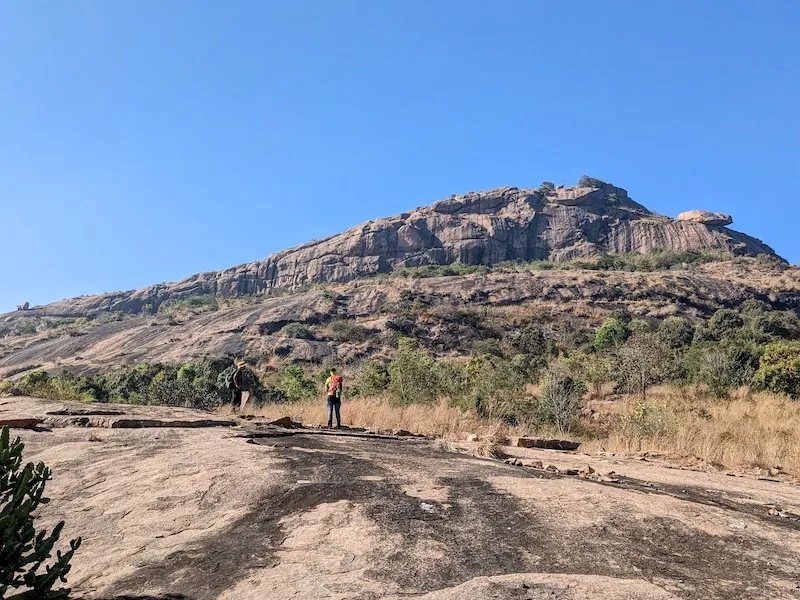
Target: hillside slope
[{"x": 345, "y": 322}]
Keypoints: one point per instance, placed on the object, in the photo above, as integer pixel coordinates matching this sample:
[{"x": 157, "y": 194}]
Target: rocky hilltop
[{"x": 505, "y": 224}]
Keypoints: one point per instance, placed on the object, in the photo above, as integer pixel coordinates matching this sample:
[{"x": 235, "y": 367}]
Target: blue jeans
[{"x": 334, "y": 404}]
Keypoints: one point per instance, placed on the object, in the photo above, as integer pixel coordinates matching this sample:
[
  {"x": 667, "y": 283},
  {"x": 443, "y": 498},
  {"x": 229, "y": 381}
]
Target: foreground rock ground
[{"x": 249, "y": 511}]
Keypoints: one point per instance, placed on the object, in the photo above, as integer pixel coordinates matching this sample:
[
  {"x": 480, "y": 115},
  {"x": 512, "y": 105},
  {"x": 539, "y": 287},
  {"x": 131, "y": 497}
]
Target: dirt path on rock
[{"x": 199, "y": 514}]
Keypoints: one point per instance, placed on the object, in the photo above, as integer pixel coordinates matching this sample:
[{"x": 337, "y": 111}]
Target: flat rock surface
[{"x": 204, "y": 513}]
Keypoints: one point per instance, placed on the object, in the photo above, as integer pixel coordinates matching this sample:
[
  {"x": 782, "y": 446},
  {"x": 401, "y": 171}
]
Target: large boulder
[
  {"x": 577, "y": 196},
  {"x": 706, "y": 218}
]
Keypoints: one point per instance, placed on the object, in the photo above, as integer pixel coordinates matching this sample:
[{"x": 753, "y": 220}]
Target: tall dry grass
[
  {"x": 440, "y": 420},
  {"x": 749, "y": 431}
]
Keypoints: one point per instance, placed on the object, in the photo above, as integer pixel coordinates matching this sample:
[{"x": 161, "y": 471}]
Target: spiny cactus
[{"x": 23, "y": 549}]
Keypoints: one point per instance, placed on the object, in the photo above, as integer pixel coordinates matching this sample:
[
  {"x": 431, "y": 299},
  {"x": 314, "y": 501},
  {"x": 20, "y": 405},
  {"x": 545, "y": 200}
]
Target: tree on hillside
[
  {"x": 611, "y": 334},
  {"x": 643, "y": 361},
  {"x": 23, "y": 549},
  {"x": 779, "y": 370}
]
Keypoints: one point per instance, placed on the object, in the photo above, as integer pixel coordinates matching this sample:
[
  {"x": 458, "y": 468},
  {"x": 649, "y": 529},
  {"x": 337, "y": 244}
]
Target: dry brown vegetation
[{"x": 750, "y": 432}]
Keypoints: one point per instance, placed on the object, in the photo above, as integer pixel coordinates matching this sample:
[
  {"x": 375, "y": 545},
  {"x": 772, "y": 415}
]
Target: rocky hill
[
  {"x": 480, "y": 228},
  {"x": 361, "y": 302}
]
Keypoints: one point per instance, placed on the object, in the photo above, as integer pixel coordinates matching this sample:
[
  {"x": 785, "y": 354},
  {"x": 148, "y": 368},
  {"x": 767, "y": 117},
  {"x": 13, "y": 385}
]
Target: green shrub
[
  {"x": 547, "y": 187},
  {"x": 675, "y": 332},
  {"x": 494, "y": 388},
  {"x": 413, "y": 375},
  {"x": 595, "y": 369},
  {"x": 296, "y": 330},
  {"x": 345, "y": 331},
  {"x": 187, "y": 372},
  {"x": 586, "y": 181},
  {"x": 295, "y": 385},
  {"x": 490, "y": 346},
  {"x": 725, "y": 324},
  {"x": 531, "y": 341},
  {"x": 200, "y": 303},
  {"x": 773, "y": 326},
  {"x": 24, "y": 550},
  {"x": 611, "y": 334},
  {"x": 779, "y": 369},
  {"x": 371, "y": 379}
]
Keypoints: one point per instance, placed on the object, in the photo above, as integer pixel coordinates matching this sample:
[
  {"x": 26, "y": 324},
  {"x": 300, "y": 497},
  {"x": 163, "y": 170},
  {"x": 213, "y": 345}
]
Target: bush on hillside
[
  {"x": 779, "y": 369},
  {"x": 611, "y": 334},
  {"x": 675, "y": 332},
  {"x": 295, "y": 385},
  {"x": 531, "y": 341},
  {"x": 413, "y": 375},
  {"x": 495, "y": 389},
  {"x": 346, "y": 331},
  {"x": 297, "y": 331},
  {"x": 371, "y": 379},
  {"x": 586, "y": 181}
]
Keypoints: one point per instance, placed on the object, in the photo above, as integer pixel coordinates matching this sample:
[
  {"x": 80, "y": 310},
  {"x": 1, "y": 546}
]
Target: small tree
[
  {"x": 371, "y": 379},
  {"x": 295, "y": 384},
  {"x": 593, "y": 182},
  {"x": 23, "y": 549},
  {"x": 547, "y": 187},
  {"x": 642, "y": 362},
  {"x": 561, "y": 398}
]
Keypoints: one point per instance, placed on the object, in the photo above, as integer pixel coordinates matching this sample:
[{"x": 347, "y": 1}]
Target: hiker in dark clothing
[
  {"x": 237, "y": 385},
  {"x": 334, "y": 386}
]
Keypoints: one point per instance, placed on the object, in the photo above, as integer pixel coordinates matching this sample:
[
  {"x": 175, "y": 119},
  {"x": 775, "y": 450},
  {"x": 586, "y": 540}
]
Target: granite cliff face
[{"x": 504, "y": 224}]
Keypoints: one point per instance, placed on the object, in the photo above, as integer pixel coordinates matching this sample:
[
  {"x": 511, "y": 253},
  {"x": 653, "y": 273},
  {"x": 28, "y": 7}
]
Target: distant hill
[
  {"x": 467, "y": 270},
  {"x": 479, "y": 228}
]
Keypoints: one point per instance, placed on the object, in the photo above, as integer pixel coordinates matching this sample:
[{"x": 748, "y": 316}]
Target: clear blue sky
[{"x": 142, "y": 141}]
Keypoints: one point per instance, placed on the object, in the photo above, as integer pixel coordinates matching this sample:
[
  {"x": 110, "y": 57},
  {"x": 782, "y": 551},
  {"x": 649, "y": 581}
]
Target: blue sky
[{"x": 142, "y": 141}]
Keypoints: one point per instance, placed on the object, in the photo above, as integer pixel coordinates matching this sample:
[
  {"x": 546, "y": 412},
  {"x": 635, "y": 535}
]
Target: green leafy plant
[
  {"x": 413, "y": 375},
  {"x": 779, "y": 370},
  {"x": 24, "y": 550},
  {"x": 611, "y": 334}
]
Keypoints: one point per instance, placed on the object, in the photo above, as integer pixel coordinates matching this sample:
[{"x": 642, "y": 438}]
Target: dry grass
[
  {"x": 748, "y": 432},
  {"x": 440, "y": 420}
]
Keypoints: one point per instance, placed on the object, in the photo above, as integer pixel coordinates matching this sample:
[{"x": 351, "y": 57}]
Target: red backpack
[{"x": 335, "y": 386}]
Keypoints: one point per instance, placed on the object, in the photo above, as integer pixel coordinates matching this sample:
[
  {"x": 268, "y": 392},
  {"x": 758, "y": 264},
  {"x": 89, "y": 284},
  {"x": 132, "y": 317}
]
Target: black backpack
[{"x": 229, "y": 378}]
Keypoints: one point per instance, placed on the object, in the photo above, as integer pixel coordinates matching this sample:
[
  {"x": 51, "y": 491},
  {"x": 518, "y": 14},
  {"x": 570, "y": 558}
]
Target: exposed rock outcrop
[
  {"x": 706, "y": 218},
  {"x": 505, "y": 224}
]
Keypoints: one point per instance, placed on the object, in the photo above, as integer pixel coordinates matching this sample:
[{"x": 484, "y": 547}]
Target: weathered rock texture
[
  {"x": 505, "y": 224},
  {"x": 198, "y": 514},
  {"x": 706, "y": 217}
]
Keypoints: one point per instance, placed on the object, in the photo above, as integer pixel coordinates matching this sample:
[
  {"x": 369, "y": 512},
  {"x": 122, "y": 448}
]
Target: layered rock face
[{"x": 504, "y": 224}]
